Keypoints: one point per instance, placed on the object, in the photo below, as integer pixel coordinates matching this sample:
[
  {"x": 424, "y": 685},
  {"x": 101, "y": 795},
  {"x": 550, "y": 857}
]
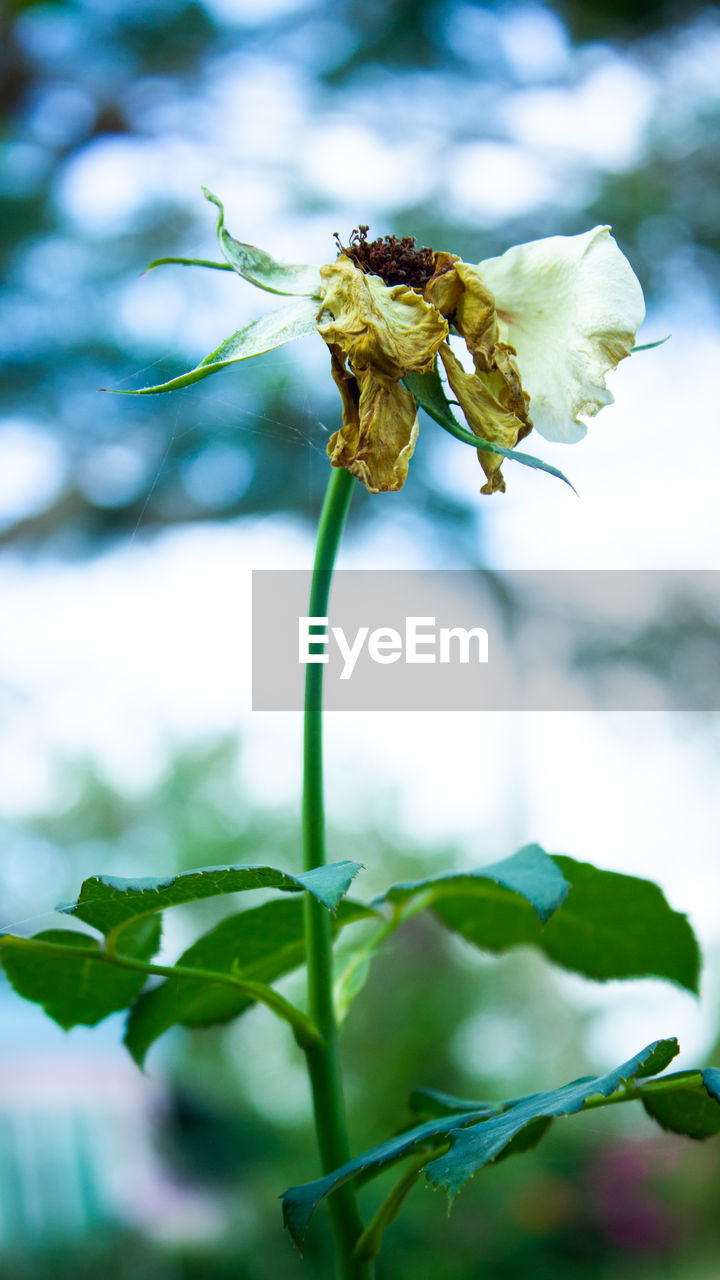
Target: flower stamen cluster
[{"x": 395, "y": 261}]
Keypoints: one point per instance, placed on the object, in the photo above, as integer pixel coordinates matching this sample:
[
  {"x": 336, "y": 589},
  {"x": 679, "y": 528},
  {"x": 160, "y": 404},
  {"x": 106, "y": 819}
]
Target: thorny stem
[{"x": 324, "y": 1062}]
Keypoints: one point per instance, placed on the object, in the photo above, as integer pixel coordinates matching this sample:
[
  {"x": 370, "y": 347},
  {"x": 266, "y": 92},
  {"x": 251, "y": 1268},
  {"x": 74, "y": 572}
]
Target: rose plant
[{"x": 520, "y": 342}]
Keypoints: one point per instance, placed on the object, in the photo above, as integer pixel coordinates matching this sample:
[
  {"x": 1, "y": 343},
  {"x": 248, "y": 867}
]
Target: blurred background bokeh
[{"x": 128, "y": 530}]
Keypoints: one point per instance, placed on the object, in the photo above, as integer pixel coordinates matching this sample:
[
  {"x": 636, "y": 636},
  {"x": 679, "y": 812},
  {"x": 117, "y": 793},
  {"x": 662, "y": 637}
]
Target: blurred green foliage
[{"x": 604, "y": 1196}]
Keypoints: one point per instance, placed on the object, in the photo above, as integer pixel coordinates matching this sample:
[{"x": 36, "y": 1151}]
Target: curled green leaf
[
  {"x": 483, "y": 1133},
  {"x": 530, "y": 874},
  {"x": 110, "y": 903},
  {"x": 471, "y": 1149},
  {"x": 259, "y": 267}
]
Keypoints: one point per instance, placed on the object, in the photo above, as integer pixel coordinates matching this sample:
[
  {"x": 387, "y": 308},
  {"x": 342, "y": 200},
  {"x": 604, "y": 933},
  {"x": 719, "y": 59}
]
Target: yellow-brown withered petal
[
  {"x": 390, "y": 329},
  {"x": 457, "y": 289},
  {"x": 346, "y": 384},
  {"x": 377, "y": 438},
  {"x": 475, "y": 314},
  {"x": 486, "y": 415},
  {"x": 444, "y": 288},
  {"x": 511, "y": 395}
]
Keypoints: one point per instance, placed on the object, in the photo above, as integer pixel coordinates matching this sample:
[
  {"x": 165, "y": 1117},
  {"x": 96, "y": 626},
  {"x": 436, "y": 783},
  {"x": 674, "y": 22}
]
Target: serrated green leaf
[
  {"x": 259, "y": 267},
  {"x": 109, "y": 903},
  {"x": 693, "y": 1110},
  {"x": 484, "y": 1133},
  {"x": 527, "y": 1139},
  {"x": 433, "y": 1102},
  {"x": 654, "y": 1058},
  {"x": 299, "y": 1203},
  {"x": 620, "y": 926},
  {"x": 352, "y": 976},
  {"x": 428, "y": 392},
  {"x": 473, "y": 1148},
  {"x": 610, "y": 926},
  {"x": 295, "y": 320},
  {"x": 528, "y": 880},
  {"x": 73, "y": 990},
  {"x": 261, "y": 944}
]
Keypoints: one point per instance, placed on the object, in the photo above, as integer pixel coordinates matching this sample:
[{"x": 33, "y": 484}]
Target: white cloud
[
  {"x": 496, "y": 180},
  {"x": 103, "y": 187},
  {"x": 32, "y": 469},
  {"x": 601, "y": 121},
  {"x": 534, "y": 41},
  {"x": 346, "y": 161}
]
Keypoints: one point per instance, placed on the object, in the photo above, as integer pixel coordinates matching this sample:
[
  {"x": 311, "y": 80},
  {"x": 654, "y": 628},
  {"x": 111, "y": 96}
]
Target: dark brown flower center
[{"x": 395, "y": 261}]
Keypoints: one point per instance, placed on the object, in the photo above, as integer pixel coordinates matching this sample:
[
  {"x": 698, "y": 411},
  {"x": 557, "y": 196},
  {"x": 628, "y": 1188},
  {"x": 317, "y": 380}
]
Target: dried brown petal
[
  {"x": 476, "y": 319},
  {"x": 377, "y": 438},
  {"x": 485, "y": 413},
  {"x": 475, "y": 316},
  {"x": 444, "y": 288},
  {"x": 389, "y": 329}
]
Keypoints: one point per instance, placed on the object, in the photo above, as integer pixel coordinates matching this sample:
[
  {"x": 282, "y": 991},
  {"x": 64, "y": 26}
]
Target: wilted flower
[{"x": 542, "y": 325}]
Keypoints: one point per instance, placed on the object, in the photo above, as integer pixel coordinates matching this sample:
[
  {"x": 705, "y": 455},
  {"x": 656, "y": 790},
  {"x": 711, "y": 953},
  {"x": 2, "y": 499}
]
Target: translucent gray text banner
[{"x": 466, "y": 640}]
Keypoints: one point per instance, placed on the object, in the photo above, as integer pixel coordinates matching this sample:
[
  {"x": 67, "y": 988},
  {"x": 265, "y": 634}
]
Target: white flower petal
[{"x": 570, "y": 306}]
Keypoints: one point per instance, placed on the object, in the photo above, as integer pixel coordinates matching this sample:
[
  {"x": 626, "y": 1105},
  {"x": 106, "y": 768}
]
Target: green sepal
[
  {"x": 73, "y": 990},
  {"x": 295, "y": 320},
  {"x": 428, "y": 392},
  {"x": 259, "y": 267}
]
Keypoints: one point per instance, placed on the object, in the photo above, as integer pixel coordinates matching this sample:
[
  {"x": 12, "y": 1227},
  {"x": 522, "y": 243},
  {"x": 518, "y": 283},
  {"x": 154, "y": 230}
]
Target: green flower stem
[
  {"x": 370, "y": 1242},
  {"x": 324, "y": 1063},
  {"x": 638, "y": 1089},
  {"x": 306, "y": 1033}
]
